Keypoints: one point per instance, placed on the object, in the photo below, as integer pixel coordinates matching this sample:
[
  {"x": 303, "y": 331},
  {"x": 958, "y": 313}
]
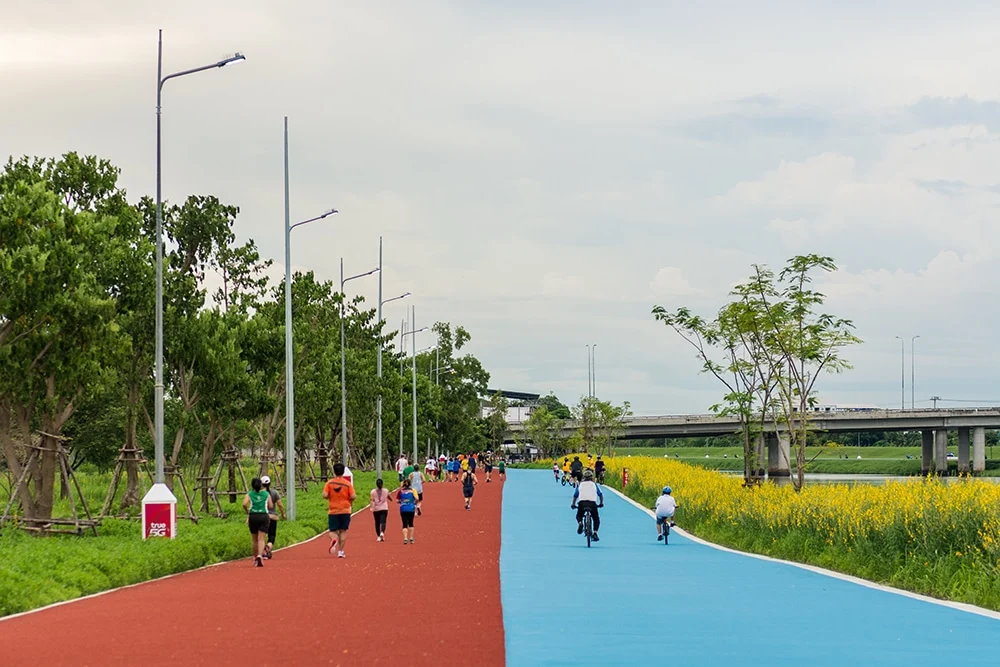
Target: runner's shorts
[
  {"x": 407, "y": 518},
  {"x": 335, "y": 522},
  {"x": 258, "y": 522},
  {"x": 468, "y": 492}
]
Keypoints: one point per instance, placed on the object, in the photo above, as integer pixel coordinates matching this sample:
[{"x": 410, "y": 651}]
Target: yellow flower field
[{"x": 926, "y": 535}]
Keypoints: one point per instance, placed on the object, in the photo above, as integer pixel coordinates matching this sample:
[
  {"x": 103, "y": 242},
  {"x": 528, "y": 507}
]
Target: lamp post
[
  {"x": 378, "y": 401},
  {"x": 158, "y": 384},
  {"x": 343, "y": 357},
  {"x": 413, "y": 347},
  {"x": 902, "y": 373},
  {"x": 589, "y": 394},
  {"x": 912, "y": 364},
  {"x": 289, "y": 354},
  {"x": 593, "y": 371}
]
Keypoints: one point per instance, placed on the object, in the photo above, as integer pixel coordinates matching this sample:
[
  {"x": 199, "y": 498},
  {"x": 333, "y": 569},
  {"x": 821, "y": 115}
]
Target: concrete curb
[
  {"x": 149, "y": 581},
  {"x": 960, "y": 606}
]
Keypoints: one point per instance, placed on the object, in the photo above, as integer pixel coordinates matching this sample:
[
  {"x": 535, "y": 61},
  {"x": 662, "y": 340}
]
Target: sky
[{"x": 545, "y": 173}]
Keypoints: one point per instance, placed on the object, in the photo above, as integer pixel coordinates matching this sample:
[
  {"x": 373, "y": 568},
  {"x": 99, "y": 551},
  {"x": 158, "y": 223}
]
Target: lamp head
[
  {"x": 229, "y": 59},
  {"x": 330, "y": 212}
]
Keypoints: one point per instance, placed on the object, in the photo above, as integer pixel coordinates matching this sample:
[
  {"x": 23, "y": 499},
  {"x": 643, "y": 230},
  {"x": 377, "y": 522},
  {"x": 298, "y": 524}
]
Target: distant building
[{"x": 524, "y": 404}]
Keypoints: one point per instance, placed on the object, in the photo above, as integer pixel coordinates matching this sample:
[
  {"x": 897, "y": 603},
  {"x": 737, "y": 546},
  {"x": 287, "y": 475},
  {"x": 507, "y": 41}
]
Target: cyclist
[
  {"x": 666, "y": 505},
  {"x": 590, "y": 461},
  {"x": 586, "y": 497},
  {"x": 576, "y": 469},
  {"x": 599, "y": 469}
]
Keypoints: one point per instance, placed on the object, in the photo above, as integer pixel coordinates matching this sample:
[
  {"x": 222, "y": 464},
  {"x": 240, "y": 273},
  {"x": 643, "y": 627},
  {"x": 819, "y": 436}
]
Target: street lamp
[
  {"x": 158, "y": 384},
  {"x": 343, "y": 357},
  {"x": 413, "y": 347},
  {"x": 289, "y": 355},
  {"x": 902, "y": 373},
  {"x": 912, "y": 364},
  {"x": 378, "y": 402},
  {"x": 593, "y": 372}
]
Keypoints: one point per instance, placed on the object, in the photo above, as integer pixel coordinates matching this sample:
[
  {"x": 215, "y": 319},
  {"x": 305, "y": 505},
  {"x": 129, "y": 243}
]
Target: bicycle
[
  {"x": 665, "y": 523},
  {"x": 600, "y": 477},
  {"x": 588, "y": 524},
  {"x": 563, "y": 479}
]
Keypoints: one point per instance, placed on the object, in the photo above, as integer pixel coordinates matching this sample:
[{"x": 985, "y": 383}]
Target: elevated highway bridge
[{"x": 934, "y": 424}]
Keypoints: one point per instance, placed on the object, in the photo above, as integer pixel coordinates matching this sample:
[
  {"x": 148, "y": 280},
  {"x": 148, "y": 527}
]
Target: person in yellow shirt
[
  {"x": 565, "y": 465},
  {"x": 465, "y": 463}
]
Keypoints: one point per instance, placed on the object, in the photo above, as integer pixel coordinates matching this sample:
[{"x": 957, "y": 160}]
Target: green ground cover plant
[{"x": 36, "y": 571}]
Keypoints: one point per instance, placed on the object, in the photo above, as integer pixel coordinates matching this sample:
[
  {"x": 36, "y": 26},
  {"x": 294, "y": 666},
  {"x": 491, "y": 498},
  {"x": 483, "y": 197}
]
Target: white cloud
[{"x": 669, "y": 281}]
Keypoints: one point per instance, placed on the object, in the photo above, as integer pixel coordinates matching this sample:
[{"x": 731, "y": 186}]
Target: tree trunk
[
  {"x": 131, "y": 497},
  {"x": 207, "y": 456}
]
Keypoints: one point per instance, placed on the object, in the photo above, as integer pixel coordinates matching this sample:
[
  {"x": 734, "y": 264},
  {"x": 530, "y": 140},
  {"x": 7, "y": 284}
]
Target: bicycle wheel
[
  {"x": 588, "y": 527},
  {"x": 666, "y": 532}
]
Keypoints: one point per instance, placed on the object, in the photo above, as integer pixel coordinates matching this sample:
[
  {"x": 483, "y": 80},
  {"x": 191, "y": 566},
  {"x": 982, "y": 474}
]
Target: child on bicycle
[
  {"x": 586, "y": 497},
  {"x": 666, "y": 505}
]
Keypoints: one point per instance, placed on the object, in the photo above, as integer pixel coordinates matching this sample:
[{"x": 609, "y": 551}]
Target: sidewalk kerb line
[
  {"x": 149, "y": 581},
  {"x": 960, "y": 606}
]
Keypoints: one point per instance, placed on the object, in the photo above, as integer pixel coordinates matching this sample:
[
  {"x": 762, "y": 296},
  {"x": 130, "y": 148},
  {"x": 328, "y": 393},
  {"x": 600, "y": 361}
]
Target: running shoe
[
  {"x": 333, "y": 545},
  {"x": 340, "y": 554},
  {"x": 259, "y": 562},
  {"x": 267, "y": 553}
]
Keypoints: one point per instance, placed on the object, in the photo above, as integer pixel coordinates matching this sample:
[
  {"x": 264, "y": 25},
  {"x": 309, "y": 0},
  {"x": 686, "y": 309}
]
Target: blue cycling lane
[{"x": 629, "y": 599}]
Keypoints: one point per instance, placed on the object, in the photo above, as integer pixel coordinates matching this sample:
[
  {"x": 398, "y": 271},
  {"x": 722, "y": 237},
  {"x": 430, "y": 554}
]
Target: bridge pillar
[
  {"x": 926, "y": 451},
  {"x": 963, "y": 450},
  {"x": 941, "y": 451},
  {"x": 978, "y": 449},
  {"x": 777, "y": 455}
]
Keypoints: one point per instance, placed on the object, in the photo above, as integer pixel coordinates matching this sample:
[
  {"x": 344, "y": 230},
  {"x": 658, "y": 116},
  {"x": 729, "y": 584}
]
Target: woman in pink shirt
[{"x": 380, "y": 509}]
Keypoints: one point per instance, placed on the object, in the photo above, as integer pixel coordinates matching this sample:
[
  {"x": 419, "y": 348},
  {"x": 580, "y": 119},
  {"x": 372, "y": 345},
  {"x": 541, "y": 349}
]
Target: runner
[
  {"x": 469, "y": 482},
  {"x": 401, "y": 464},
  {"x": 407, "y": 500},
  {"x": 429, "y": 469},
  {"x": 488, "y": 466},
  {"x": 416, "y": 480},
  {"x": 442, "y": 460},
  {"x": 555, "y": 470},
  {"x": 502, "y": 469},
  {"x": 272, "y": 523},
  {"x": 379, "y": 505},
  {"x": 339, "y": 492},
  {"x": 257, "y": 504}
]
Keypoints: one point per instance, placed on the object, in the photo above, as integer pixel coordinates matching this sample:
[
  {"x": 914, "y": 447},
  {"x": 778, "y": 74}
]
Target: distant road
[{"x": 686, "y": 426}]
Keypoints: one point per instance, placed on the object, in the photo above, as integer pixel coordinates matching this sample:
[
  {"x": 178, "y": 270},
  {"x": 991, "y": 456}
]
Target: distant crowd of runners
[{"x": 264, "y": 505}]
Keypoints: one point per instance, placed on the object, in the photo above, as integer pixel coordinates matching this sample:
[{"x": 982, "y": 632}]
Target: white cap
[{"x": 265, "y": 480}]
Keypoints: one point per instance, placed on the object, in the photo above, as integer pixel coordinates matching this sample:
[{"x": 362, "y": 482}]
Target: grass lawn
[{"x": 36, "y": 571}]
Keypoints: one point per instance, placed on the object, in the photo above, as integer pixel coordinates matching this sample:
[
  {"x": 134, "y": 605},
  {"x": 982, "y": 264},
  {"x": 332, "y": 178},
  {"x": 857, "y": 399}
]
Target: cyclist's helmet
[
  {"x": 666, "y": 490},
  {"x": 588, "y": 474}
]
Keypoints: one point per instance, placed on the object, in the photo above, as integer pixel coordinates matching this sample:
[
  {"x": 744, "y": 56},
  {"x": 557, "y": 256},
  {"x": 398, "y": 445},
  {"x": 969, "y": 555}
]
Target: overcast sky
[{"x": 544, "y": 173}]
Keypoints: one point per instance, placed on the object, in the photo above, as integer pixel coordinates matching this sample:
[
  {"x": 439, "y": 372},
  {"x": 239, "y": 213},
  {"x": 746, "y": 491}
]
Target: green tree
[{"x": 60, "y": 248}]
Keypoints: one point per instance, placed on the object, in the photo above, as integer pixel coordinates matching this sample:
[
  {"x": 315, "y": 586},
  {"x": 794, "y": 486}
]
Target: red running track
[{"x": 428, "y": 603}]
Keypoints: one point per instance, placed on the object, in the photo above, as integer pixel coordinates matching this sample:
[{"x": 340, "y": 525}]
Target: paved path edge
[
  {"x": 149, "y": 581},
  {"x": 960, "y": 606}
]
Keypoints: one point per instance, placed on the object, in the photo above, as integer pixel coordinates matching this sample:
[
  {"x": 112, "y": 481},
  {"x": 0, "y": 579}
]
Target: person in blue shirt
[
  {"x": 407, "y": 499},
  {"x": 586, "y": 496}
]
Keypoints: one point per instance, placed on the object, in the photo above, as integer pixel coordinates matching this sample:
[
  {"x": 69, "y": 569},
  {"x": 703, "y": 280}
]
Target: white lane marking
[
  {"x": 960, "y": 606},
  {"x": 149, "y": 581}
]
